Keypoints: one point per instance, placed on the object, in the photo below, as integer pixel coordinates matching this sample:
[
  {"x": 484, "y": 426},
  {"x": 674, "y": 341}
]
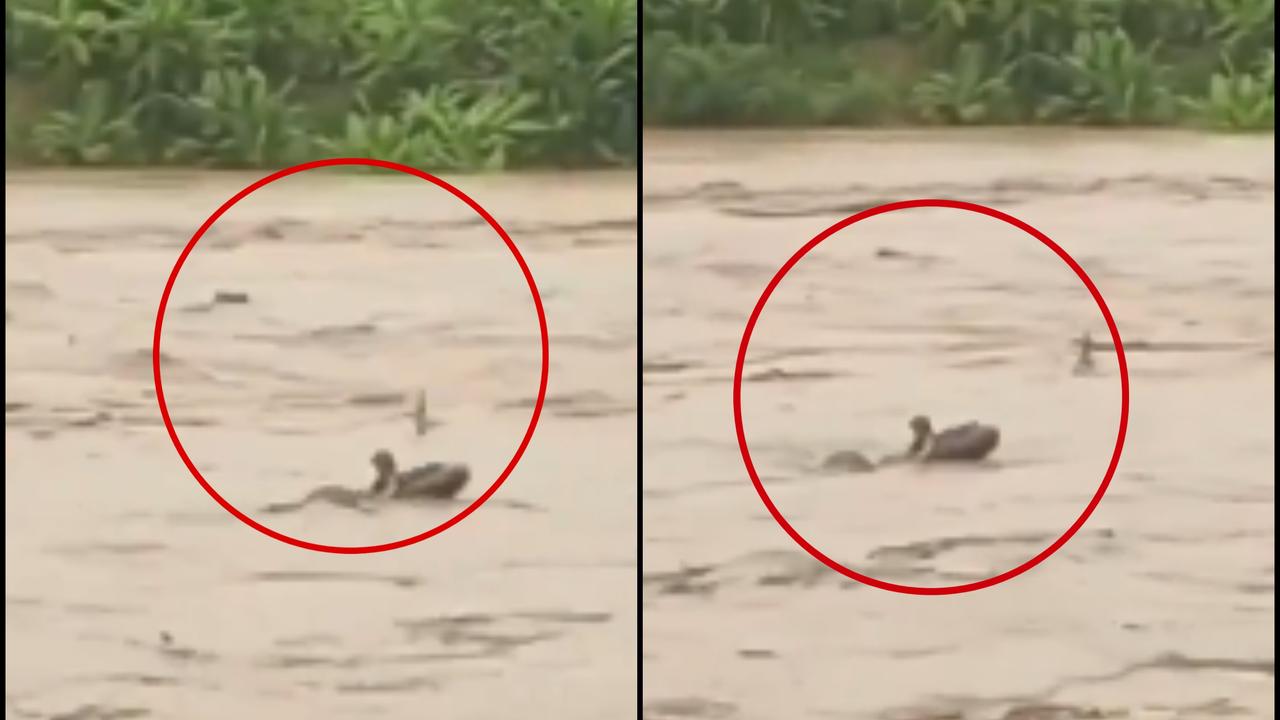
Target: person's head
[
  {"x": 385, "y": 465},
  {"x": 921, "y": 431},
  {"x": 920, "y": 426},
  {"x": 384, "y": 462}
]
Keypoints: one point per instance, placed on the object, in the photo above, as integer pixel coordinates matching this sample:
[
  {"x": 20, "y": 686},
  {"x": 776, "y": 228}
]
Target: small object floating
[
  {"x": 170, "y": 649},
  {"x": 230, "y": 297},
  {"x": 890, "y": 253},
  {"x": 420, "y": 424},
  {"x": 1084, "y": 363},
  {"x": 962, "y": 443},
  {"x": 220, "y": 297},
  {"x": 376, "y": 398},
  {"x": 432, "y": 481},
  {"x": 270, "y": 230},
  {"x": 848, "y": 461}
]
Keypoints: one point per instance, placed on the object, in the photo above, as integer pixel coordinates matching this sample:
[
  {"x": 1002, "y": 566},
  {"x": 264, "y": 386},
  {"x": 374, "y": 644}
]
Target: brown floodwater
[
  {"x": 1162, "y": 606},
  {"x": 130, "y": 594}
]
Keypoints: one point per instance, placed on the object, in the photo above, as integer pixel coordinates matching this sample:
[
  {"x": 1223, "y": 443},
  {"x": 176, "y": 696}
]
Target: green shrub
[
  {"x": 264, "y": 82},
  {"x": 1128, "y": 62}
]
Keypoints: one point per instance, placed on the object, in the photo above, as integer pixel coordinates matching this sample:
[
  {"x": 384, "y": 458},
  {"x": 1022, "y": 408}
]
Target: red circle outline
[
  {"x": 533, "y": 420},
  {"x": 950, "y": 589}
]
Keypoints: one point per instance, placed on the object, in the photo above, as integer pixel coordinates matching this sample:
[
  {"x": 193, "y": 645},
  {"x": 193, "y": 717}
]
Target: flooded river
[
  {"x": 130, "y": 594},
  {"x": 1161, "y": 607}
]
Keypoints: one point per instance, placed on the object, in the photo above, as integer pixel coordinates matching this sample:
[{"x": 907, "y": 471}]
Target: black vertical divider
[{"x": 639, "y": 358}]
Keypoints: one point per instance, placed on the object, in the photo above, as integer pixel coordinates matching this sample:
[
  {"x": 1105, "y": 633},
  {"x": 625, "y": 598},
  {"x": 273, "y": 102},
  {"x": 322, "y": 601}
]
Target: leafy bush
[
  {"x": 94, "y": 129},
  {"x": 237, "y": 119},
  {"x": 1239, "y": 101},
  {"x": 1108, "y": 80},
  {"x": 968, "y": 61},
  {"x": 452, "y": 84},
  {"x": 974, "y": 93}
]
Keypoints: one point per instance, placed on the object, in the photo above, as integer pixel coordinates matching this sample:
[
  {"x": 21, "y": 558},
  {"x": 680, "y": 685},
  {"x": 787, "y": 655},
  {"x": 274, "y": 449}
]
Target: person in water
[
  {"x": 433, "y": 481},
  {"x": 963, "y": 443}
]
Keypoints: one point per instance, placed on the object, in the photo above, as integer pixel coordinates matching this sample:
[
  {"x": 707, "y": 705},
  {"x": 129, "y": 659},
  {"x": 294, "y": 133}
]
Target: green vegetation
[
  {"x": 871, "y": 62},
  {"x": 439, "y": 84},
  {"x": 487, "y": 84}
]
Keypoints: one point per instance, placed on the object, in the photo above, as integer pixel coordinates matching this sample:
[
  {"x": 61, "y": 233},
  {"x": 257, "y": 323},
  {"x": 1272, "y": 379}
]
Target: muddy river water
[
  {"x": 1161, "y": 607},
  {"x": 361, "y": 290},
  {"x": 131, "y": 594}
]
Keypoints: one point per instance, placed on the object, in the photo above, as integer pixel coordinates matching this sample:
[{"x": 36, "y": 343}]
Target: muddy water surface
[
  {"x": 1161, "y": 607},
  {"x": 131, "y": 594}
]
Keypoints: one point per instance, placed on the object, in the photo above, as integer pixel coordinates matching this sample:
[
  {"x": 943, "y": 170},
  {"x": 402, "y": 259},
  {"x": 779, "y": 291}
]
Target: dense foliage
[
  {"x": 485, "y": 84},
  {"x": 439, "y": 84},
  {"x": 860, "y": 62}
]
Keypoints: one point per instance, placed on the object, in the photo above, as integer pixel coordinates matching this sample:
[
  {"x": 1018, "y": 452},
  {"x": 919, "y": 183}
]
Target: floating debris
[
  {"x": 847, "y": 461},
  {"x": 230, "y": 297},
  {"x": 220, "y": 297},
  {"x": 376, "y": 398},
  {"x": 271, "y": 231},
  {"x": 1084, "y": 363},
  {"x": 420, "y": 423},
  {"x": 177, "y": 652}
]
